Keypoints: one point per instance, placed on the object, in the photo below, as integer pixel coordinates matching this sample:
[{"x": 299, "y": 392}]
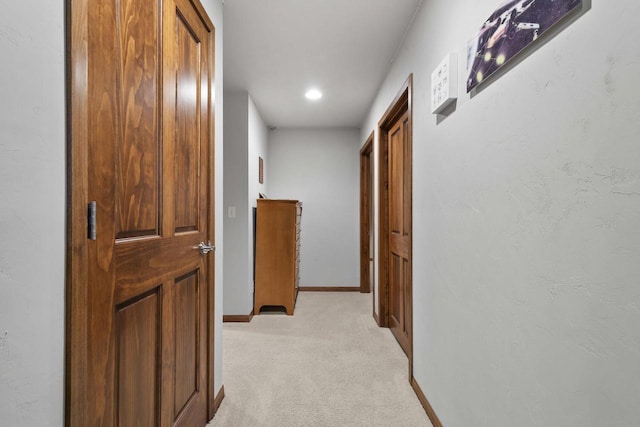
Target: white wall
[
  {"x": 32, "y": 211},
  {"x": 258, "y": 137},
  {"x": 215, "y": 11},
  {"x": 526, "y": 224},
  {"x": 320, "y": 167},
  {"x": 237, "y": 274},
  {"x": 246, "y": 136}
]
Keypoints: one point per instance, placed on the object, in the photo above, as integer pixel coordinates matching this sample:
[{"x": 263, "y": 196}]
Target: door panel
[
  {"x": 406, "y": 297},
  {"x": 139, "y": 150},
  {"x": 138, "y": 332},
  {"x": 395, "y": 301},
  {"x": 148, "y": 168},
  {"x": 407, "y": 181},
  {"x": 187, "y": 127},
  {"x": 187, "y": 316},
  {"x": 396, "y": 181},
  {"x": 400, "y": 231}
]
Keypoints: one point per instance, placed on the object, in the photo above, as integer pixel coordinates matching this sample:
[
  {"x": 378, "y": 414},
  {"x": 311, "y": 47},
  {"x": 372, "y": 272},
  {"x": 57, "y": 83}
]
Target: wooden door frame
[
  {"x": 403, "y": 102},
  {"x": 366, "y": 204},
  {"x": 77, "y": 254},
  {"x": 213, "y": 400}
]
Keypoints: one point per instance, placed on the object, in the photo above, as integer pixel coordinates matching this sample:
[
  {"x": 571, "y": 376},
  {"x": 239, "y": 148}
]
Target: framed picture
[
  {"x": 509, "y": 29},
  {"x": 260, "y": 170}
]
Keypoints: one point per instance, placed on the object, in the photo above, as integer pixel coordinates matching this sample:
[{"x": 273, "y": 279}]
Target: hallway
[
  {"x": 525, "y": 213},
  {"x": 328, "y": 365}
]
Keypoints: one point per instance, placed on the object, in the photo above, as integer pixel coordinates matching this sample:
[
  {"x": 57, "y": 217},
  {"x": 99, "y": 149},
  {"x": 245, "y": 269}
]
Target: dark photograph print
[{"x": 509, "y": 29}]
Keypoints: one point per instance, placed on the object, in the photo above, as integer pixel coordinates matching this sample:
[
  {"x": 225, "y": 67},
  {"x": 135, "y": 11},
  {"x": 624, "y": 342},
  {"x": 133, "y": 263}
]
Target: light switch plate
[
  {"x": 232, "y": 212},
  {"x": 444, "y": 83}
]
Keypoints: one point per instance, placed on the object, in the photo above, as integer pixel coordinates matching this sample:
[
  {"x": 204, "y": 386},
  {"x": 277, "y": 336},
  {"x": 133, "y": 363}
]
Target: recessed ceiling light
[{"x": 313, "y": 94}]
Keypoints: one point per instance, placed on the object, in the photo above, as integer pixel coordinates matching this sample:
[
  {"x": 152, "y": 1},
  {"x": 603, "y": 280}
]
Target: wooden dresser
[{"x": 277, "y": 254}]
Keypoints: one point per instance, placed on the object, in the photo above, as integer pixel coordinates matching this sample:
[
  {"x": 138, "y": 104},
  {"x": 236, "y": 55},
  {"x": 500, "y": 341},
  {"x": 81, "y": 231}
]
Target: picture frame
[{"x": 511, "y": 27}]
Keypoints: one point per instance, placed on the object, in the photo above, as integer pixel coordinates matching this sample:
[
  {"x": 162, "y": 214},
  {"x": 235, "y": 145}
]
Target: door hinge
[{"x": 91, "y": 221}]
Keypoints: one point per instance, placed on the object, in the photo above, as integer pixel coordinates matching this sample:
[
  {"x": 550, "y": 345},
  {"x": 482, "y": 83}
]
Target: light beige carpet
[{"x": 328, "y": 365}]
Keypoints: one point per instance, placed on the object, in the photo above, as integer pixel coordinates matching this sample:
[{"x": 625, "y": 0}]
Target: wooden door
[
  {"x": 141, "y": 148},
  {"x": 400, "y": 231},
  {"x": 371, "y": 222},
  {"x": 366, "y": 217}
]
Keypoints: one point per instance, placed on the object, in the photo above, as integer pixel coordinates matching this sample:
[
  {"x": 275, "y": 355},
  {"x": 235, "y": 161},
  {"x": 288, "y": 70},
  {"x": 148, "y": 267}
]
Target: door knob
[{"x": 205, "y": 248}]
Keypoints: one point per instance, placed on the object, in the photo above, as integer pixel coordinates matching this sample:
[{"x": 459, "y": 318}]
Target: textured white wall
[
  {"x": 32, "y": 213},
  {"x": 258, "y": 137},
  {"x": 237, "y": 274},
  {"x": 320, "y": 167},
  {"x": 246, "y": 138},
  {"x": 215, "y": 11},
  {"x": 526, "y": 224}
]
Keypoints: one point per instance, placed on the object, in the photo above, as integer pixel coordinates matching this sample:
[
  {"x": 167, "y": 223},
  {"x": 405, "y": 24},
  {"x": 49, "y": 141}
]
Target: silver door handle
[{"x": 205, "y": 248}]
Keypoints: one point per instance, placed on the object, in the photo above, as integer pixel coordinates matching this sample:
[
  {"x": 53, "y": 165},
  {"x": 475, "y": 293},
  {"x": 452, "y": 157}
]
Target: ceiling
[{"x": 277, "y": 49}]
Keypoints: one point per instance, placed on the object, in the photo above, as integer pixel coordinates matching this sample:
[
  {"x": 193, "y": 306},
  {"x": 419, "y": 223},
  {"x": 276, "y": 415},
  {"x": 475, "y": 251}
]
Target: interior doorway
[
  {"x": 395, "y": 206},
  {"x": 367, "y": 230}
]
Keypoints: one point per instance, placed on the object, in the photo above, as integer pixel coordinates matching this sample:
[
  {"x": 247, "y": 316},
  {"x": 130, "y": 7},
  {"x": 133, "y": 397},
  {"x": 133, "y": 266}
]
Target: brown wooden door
[
  {"x": 367, "y": 236},
  {"x": 400, "y": 231},
  {"x": 371, "y": 222},
  {"x": 147, "y": 103}
]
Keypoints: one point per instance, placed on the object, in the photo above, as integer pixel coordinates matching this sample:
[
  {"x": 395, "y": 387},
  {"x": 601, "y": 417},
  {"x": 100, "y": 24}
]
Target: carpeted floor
[{"x": 328, "y": 365}]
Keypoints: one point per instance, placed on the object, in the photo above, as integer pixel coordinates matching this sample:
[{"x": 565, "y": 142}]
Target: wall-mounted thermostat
[{"x": 444, "y": 83}]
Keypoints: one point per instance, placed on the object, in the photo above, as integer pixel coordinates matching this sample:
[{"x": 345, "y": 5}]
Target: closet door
[
  {"x": 400, "y": 232},
  {"x": 139, "y": 316}
]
